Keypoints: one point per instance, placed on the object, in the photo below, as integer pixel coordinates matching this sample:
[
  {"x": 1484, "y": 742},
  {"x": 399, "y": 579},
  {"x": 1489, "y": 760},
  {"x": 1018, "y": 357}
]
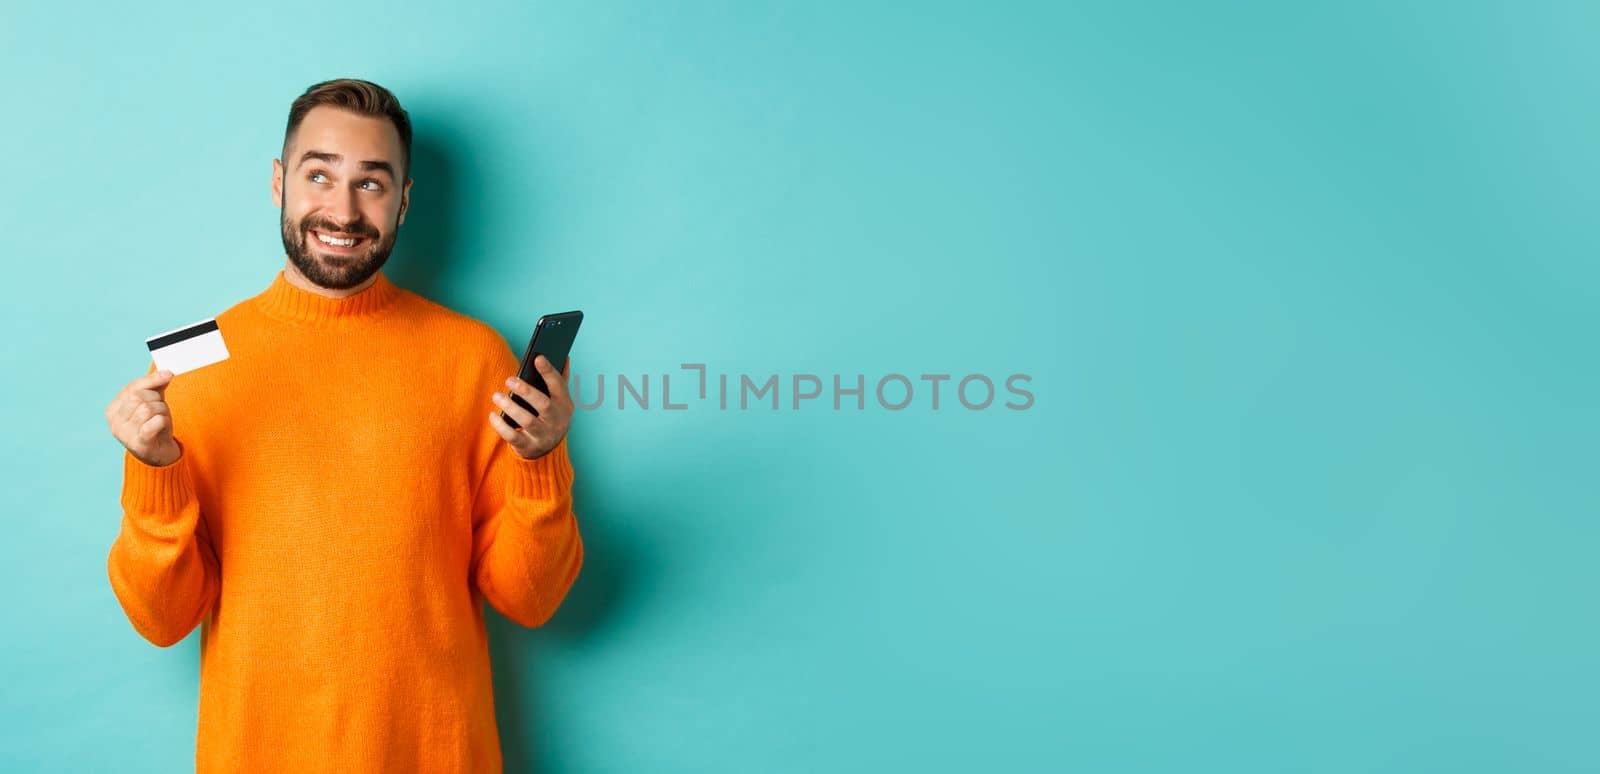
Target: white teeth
[{"x": 328, "y": 240}]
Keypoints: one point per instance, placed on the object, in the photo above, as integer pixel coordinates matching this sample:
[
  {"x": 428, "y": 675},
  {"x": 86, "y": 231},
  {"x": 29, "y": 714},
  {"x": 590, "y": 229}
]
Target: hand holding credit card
[{"x": 187, "y": 348}]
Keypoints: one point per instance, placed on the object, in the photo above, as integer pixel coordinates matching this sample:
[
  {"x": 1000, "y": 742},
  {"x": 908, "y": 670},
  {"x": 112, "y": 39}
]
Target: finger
[
  {"x": 147, "y": 396},
  {"x": 520, "y": 387},
  {"x": 144, "y": 411},
  {"x": 152, "y": 427},
  {"x": 533, "y": 395},
  {"x": 512, "y": 410},
  {"x": 539, "y": 401},
  {"x": 552, "y": 379},
  {"x": 517, "y": 413},
  {"x": 511, "y": 436},
  {"x": 123, "y": 410},
  {"x": 127, "y": 403},
  {"x": 500, "y": 426},
  {"x": 152, "y": 380},
  {"x": 136, "y": 419},
  {"x": 143, "y": 389}
]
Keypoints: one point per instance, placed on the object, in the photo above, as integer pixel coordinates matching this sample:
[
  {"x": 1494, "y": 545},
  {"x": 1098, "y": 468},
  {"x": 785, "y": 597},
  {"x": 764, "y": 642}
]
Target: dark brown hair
[{"x": 358, "y": 96}]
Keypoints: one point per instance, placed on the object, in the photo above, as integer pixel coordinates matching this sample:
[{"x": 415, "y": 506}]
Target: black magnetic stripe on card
[{"x": 183, "y": 335}]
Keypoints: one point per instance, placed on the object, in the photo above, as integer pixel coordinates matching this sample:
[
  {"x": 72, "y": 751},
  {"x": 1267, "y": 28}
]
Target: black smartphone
[{"x": 552, "y": 337}]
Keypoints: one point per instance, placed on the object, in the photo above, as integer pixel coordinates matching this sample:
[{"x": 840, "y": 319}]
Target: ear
[
  {"x": 277, "y": 184},
  {"x": 405, "y": 201}
]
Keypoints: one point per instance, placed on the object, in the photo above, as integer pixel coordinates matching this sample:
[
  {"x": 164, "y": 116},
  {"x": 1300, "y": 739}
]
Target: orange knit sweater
[{"x": 340, "y": 512}]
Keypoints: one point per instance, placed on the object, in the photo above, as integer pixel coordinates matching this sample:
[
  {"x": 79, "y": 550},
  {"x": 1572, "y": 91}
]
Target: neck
[{"x": 292, "y": 275}]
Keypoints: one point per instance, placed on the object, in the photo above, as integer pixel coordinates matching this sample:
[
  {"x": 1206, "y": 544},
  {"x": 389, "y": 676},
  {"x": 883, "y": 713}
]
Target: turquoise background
[{"x": 1307, "y": 293}]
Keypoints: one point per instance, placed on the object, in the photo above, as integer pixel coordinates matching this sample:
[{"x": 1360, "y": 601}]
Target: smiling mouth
[{"x": 338, "y": 243}]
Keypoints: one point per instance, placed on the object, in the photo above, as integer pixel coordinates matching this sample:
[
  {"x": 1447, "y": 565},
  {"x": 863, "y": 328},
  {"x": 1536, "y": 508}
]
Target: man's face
[{"x": 338, "y": 182}]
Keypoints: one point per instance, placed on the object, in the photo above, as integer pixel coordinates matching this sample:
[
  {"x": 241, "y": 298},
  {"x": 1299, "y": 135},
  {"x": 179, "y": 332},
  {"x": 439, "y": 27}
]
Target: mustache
[{"x": 360, "y": 228}]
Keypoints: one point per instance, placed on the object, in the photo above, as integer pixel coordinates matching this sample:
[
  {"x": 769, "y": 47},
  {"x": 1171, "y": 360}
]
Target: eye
[
  {"x": 376, "y": 186},
  {"x": 314, "y": 175}
]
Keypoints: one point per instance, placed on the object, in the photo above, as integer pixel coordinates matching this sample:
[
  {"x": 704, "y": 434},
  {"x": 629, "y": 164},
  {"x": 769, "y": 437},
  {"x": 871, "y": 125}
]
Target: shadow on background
[
  {"x": 426, "y": 248},
  {"x": 611, "y": 566}
]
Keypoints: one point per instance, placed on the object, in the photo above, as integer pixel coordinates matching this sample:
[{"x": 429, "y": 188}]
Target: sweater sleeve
[
  {"x": 163, "y": 567},
  {"x": 526, "y": 550}
]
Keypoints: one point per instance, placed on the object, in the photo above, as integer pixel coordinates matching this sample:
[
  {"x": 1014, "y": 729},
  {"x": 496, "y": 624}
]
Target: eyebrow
[{"x": 335, "y": 159}]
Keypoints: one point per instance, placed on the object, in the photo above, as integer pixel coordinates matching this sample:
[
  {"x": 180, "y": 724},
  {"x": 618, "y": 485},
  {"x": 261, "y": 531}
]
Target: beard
[{"x": 336, "y": 272}]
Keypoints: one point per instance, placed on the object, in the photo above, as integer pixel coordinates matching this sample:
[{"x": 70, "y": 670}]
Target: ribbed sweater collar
[{"x": 287, "y": 302}]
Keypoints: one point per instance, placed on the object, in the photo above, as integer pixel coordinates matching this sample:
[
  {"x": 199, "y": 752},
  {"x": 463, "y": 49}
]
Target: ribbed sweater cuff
[
  {"x": 158, "y": 491},
  {"x": 545, "y": 478}
]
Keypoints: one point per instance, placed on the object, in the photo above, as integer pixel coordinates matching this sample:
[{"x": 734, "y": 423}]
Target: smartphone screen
[{"x": 552, "y": 337}]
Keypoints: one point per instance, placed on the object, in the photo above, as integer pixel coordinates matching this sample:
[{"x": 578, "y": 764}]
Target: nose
[{"x": 342, "y": 210}]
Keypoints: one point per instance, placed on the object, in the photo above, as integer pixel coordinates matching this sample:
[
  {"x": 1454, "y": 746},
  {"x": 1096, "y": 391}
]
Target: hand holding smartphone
[{"x": 552, "y": 337}]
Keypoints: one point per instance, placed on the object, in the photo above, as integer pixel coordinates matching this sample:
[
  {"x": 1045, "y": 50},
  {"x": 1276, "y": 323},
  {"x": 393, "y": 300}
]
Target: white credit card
[{"x": 188, "y": 348}]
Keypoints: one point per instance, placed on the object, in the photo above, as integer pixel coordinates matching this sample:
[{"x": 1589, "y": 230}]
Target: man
[{"x": 331, "y": 503}]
